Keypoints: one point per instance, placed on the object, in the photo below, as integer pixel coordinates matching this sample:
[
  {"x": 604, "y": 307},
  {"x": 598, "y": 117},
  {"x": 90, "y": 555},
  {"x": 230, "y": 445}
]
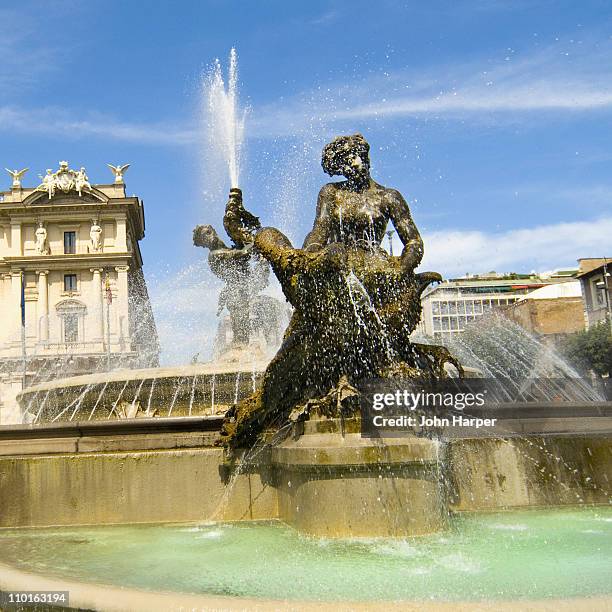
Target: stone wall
[
  {"x": 493, "y": 473},
  {"x": 548, "y": 316},
  {"x": 323, "y": 483},
  {"x": 127, "y": 487}
]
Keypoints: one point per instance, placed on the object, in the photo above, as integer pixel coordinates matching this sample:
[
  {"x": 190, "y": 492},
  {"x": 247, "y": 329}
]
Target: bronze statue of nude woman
[{"x": 355, "y": 304}]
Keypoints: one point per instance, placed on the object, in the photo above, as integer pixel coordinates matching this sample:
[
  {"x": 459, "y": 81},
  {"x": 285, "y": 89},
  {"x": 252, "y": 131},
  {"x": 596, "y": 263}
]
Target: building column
[
  {"x": 122, "y": 303},
  {"x": 98, "y": 301},
  {"x": 43, "y": 306},
  {"x": 6, "y": 308},
  {"x": 15, "y": 306}
]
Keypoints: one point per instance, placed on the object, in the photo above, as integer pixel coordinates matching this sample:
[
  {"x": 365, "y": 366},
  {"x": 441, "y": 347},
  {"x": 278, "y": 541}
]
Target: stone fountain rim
[
  {"x": 126, "y": 374},
  {"x": 91, "y": 595}
]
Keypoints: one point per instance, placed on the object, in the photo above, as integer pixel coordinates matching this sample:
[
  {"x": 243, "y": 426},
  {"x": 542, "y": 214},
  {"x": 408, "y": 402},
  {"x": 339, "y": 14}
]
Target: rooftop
[
  {"x": 556, "y": 291},
  {"x": 63, "y": 181},
  {"x": 594, "y": 265},
  {"x": 493, "y": 282},
  {"x": 506, "y": 276}
]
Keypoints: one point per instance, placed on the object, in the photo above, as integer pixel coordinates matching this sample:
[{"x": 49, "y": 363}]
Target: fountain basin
[{"x": 562, "y": 553}]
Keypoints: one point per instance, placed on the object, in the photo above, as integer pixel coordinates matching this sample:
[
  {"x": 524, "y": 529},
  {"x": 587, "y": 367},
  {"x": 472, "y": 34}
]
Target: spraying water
[
  {"x": 504, "y": 350},
  {"x": 225, "y": 120}
]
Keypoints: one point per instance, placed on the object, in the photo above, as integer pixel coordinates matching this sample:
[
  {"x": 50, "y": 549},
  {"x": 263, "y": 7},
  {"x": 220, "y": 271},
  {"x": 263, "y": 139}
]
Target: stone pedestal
[{"x": 334, "y": 485}]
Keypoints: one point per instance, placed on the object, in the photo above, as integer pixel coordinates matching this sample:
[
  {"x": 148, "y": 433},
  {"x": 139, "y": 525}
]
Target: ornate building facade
[{"x": 73, "y": 298}]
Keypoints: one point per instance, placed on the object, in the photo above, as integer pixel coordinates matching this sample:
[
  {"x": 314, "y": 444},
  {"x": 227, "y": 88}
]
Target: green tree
[{"x": 591, "y": 349}]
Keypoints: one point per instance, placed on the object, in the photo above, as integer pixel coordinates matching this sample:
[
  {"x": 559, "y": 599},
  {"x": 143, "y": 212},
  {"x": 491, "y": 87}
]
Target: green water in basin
[{"x": 529, "y": 554}]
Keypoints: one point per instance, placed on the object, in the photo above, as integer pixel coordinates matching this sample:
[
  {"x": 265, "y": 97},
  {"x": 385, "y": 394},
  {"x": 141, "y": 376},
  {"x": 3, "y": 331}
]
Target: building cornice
[
  {"x": 55, "y": 209},
  {"x": 61, "y": 262},
  {"x": 19, "y": 211}
]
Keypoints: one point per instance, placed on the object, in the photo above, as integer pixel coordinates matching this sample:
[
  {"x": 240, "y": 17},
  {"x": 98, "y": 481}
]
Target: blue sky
[{"x": 492, "y": 118}]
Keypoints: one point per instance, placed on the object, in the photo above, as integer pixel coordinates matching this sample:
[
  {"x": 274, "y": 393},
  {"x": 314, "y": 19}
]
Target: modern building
[
  {"x": 450, "y": 306},
  {"x": 73, "y": 298},
  {"x": 596, "y": 281},
  {"x": 551, "y": 312}
]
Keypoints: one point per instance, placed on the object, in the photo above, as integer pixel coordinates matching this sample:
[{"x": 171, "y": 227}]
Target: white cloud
[
  {"x": 566, "y": 77},
  {"x": 534, "y": 96},
  {"x": 29, "y": 58},
  {"x": 569, "y": 76},
  {"x": 325, "y": 19},
  {"x": 545, "y": 247},
  {"x": 60, "y": 122}
]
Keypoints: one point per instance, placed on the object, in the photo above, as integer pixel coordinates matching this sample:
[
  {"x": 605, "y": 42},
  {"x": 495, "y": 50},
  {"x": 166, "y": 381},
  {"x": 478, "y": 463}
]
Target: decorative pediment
[
  {"x": 70, "y": 306},
  {"x": 93, "y": 196},
  {"x": 65, "y": 179}
]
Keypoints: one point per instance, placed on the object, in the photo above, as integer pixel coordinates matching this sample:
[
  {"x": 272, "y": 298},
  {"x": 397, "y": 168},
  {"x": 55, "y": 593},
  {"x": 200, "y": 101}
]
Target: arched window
[{"x": 72, "y": 316}]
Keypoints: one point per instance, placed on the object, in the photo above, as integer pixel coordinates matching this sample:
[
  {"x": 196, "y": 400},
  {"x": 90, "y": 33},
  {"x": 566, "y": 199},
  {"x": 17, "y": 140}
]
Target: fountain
[
  {"x": 355, "y": 305},
  {"x": 255, "y": 480}
]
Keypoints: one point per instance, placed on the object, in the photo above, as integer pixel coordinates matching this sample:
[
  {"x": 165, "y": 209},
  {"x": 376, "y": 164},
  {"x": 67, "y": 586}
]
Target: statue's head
[
  {"x": 205, "y": 236},
  {"x": 347, "y": 156}
]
